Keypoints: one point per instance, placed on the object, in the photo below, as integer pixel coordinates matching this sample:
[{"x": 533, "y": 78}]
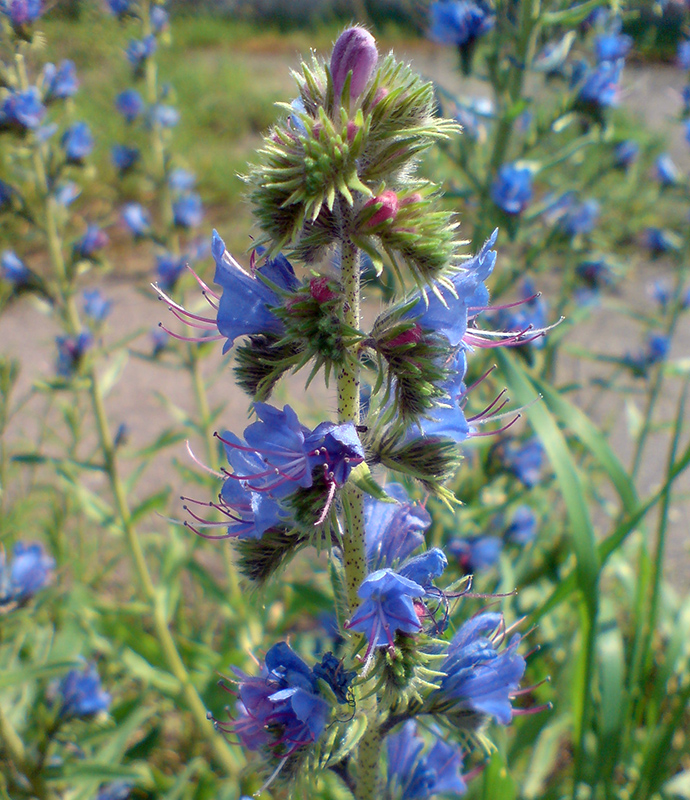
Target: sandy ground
[{"x": 28, "y": 333}]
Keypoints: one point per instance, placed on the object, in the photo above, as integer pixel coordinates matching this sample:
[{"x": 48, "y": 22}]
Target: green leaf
[
  {"x": 497, "y": 783},
  {"x": 150, "y": 675},
  {"x": 45, "y": 671},
  {"x": 362, "y": 478},
  {"x": 544, "y": 757},
  {"x": 114, "y": 372}
]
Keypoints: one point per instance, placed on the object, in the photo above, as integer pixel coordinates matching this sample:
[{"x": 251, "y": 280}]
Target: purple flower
[
  {"x": 77, "y": 142},
  {"x": 139, "y": 50},
  {"x": 596, "y": 273},
  {"x": 159, "y": 19},
  {"x": 244, "y": 307},
  {"x": 71, "y": 350},
  {"x": 91, "y": 242},
  {"x": 181, "y": 180},
  {"x": 81, "y": 693},
  {"x": 21, "y": 12},
  {"x": 124, "y": 157},
  {"x": 393, "y": 530},
  {"x": 625, "y": 153},
  {"x": 477, "y": 676},
  {"x": 512, "y": 188},
  {"x": 59, "y": 82},
  {"x": 476, "y": 553},
  {"x": 137, "y": 219},
  {"x": 96, "y": 306},
  {"x": 411, "y": 777},
  {"x": 354, "y": 51},
  {"x": 683, "y": 54},
  {"x": 14, "y": 270},
  {"x": 524, "y": 460},
  {"x": 523, "y": 526},
  {"x": 600, "y": 87},
  {"x": 169, "y": 267},
  {"x": 387, "y": 607},
  {"x": 22, "y": 109},
  {"x": 30, "y": 570},
  {"x": 666, "y": 171},
  {"x": 459, "y": 22},
  {"x": 129, "y": 104},
  {"x": 188, "y": 211},
  {"x": 281, "y": 708}
]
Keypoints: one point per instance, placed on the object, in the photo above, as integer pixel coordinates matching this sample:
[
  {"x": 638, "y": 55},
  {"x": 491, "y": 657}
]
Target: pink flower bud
[
  {"x": 320, "y": 290},
  {"x": 413, "y": 336},
  {"x": 415, "y": 197},
  {"x": 354, "y": 51},
  {"x": 388, "y": 210}
]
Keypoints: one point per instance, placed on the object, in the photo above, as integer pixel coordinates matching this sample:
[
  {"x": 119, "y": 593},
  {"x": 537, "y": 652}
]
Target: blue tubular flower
[
  {"x": 459, "y": 22},
  {"x": 660, "y": 241},
  {"x": 524, "y": 460},
  {"x": 656, "y": 349},
  {"x": 244, "y": 307},
  {"x": 139, "y": 50},
  {"x": 413, "y": 778},
  {"x": 71, "y": 350},
  {"x": 580, "y": 218},
  {"x": 129, "y": 104},
  {"x": 169, "y": 268},
  {"x": 476, "y": 553},
  {"x": 22, "y": 12},
  {"x": 281, "y": 708},
  {"x": 31, "y": 569},
  {"x": 600, "y": 88},
  {"x": 91, "y": 242},
  {"x": 661, "y": 292},
  {"x": 22, "y": 109},
  {"x": 337, "y": 448},
  {"x": 596, "y": 273},
  {"x": 667, "y": 172},
  {"x": 188, "y": 211},
  {"x": 124, "y": 157},
  {"x": 512, "y": 188},
  {"x": 96, "y": 306},
  {"x": 61, "y": 82},
  {"x": 159, "y": 340},
  {"x": 523, "y": 526},
  {"x": 119, "y": 8},
  {"x": 687, "y": 131},
  {"x": 625, "y": 153},
  {"x": 422, "y": 569},
  {"x": 159, "y": 19},
  {"x": 387, "y": 607},
  {"x": 612, "y": 46},
  {"x": 81, "y": 693},
  {"x": 77, "y": 142},
  {"x": 14, "y": 269},
  {"x": 477, "y": 675},
  {"x": 683, "y": 54},
  {"x": 181, "y": 180},
  {"x": 137, "y": 219},
  {"x": 393, "y": 530},
  {"x": 66, "y": 194},
  {"x": 252, "y": 513},
  {"x": 164, "y": 116}
]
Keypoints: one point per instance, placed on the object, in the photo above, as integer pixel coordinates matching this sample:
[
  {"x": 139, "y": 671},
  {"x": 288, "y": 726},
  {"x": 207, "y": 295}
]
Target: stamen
[
  {"x": 489, "y": 407},
  {"x": 194, "y": 320},
  {"x": 203, "y": 285},
  {"x": 500, "y": 430},
  {"x": 478, "y": 309},
  {"x": 194, "y": 339},
  {"x": 479, "y": 380},
  {"x": 201, "y": 464}
]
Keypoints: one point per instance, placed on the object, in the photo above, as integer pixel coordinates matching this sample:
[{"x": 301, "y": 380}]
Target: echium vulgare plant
[{"x": 337, "y": 179}]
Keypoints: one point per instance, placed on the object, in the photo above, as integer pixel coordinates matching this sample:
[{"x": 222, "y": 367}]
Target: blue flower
[
  {"x": 81, "y": 693},
  {"x": 477, "y": 676},
  {"x": 22, "y": 109},
  {"x": 612, "y": 46},
  {"x": 529, "y": 316},
  {"x": 67, "y": 193},
  {"x": 30, "y": 570},
  {"x": 667, "y": 172},
  {"x": 77, "y": 142},
  {"x": 169, "y": 267},
  {"x": 524, "y": 460},
  {"x": 159, "y": 19},
  {"x": 580, "y": 218},
  {"x": 447, "y": 419},
  {"x": 600, "y": 88},
  {"x": 71, "y": 350},
  {"x": 188, "y": 211},
  {"x": 252, "y": 513},
  {"x": 523, "y": 526},
  {"x": 476, "y": 553},
  {"x": 337, "y": 447},
  {"x": 393, "y": 530},
  {"x": 625, "y": 153},
  {"x": 14, "y": 269},
  {"x": 413, "y": 778},
  {"x": 459, "y": 22},
  {"x": 137, "y": 219},
  {"x": 423, "y": 568},
  {"x": 118, "y": 790},
  {"x": 91, "y": 242},
  {"x": 61, "y": 82},
  {"x": 656, "y": 349},
  {"x": 124, "y": 157},
  {"x": 387, "y": 607},
  {"x": 139, "y": 50},
  {"x": 687, "y": 131},
  {"x": 22, "y": 12},
  {"x": 685, "y": 95},
  {"x": 660, "y": 241},
  {"x": 512, "y": 188},
  {"x": 96, "y": 306},
  {"x": 281, "y": 708},
  {"x": 683, "y": 54},
  {"x": 661, "y": 292},
  {"x": 129, "y": 104},
  {"x": 596, "y": 273},
  {"x": 244, "y": 307},
  {"x": 164, "y": 116},
  {"x": 6, "y": 194},
  {"x": 159, "y": 340},
  {"x": 181, "y": 180},
  {"x": 119, "y": 7}
]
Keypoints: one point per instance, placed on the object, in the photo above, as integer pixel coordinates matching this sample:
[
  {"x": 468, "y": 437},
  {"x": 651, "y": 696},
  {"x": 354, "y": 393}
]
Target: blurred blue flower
[
  {"x": 524, "y": 460},
  {"x": 81, "y": 693},
  {"x": 77, "y": 142},
  {"x": 411, "y": 777},
  {"x": 119, "y": 7},
  {"x": 252, "y": 513},
  {"x": 529, "y": 316},
  {"x": 21, "y": 12},
  {"x": 331, "y": 670},
  {"x": 512, "y": 188},
  {"x": 71, "y": 349},
  {"x": 477, "y": 675},
  {"x": 181, "y": 180},
  {"x": 596, "y": 273},
  {"x": 612, "y": 46},
  {"x": 14, "y": 270},
  {"x": 137, "y": 219},
  {"x": 387, "y": 607},
  {"x": 660, "y": 241},
  {"x": 393, "y": 530},
  {"x": 580, "y": 218},
  {"x": 625, "y": 153},
  {"x": 22, "y": 109},
  {"x": 523, "y": 526},
  {"x": 600, "y": 88},
  {"x": 655, "y": 351},
  {"x": 685, "y": 95},
  {"x": 666, "y": 171},
  {"x": 91, "y": 242},
  {"x": 6, "y": 194},
  {"x": 687, "y": 131},
  {"x": 683, "y": 54},
  {"x": 661, "y": 292},
  {"x": 188, "y": 210},
  {"x": 159, "y": 340},
  {"x": 164, "y": 116},
  {"x": 425, "y": 567},
  {"x": 30, "y": 570},
  {"x": 96, "y": 306},
  {"x": 129, "y": 104},
  {"x": 124, "y": 157},
  {"x": 118, "y": 790},
  {"x": 139, "y": 50},
  {"x": 476, "y": 553},
  {"x": 459, "y": 22},
  {"x": 67, "y": 193},
  {"x": 169, "y": 267},
  {"x": 59, "y": 82},
  {"x": 159, "y": 19}
]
